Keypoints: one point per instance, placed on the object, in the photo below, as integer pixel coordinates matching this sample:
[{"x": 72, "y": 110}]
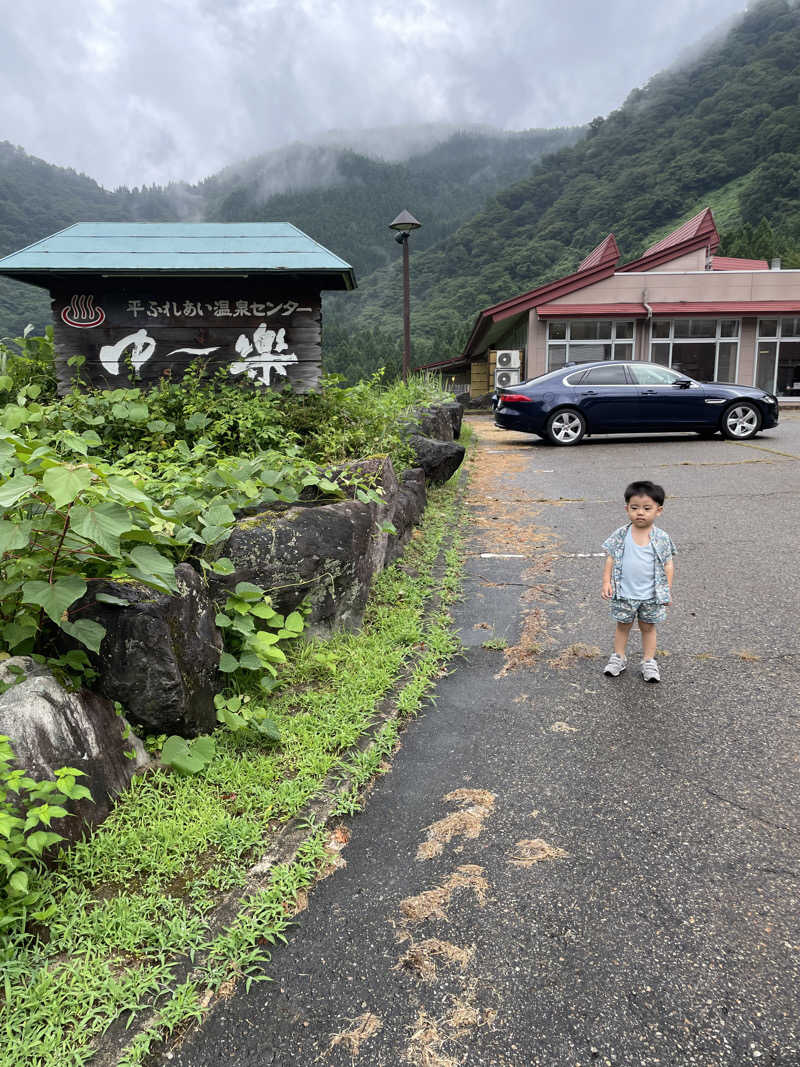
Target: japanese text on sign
[{"x": 220, "y": 309}]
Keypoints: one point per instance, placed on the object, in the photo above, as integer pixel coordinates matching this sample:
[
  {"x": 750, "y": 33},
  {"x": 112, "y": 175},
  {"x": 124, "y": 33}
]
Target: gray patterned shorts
[{"x": 644, "y": 610}]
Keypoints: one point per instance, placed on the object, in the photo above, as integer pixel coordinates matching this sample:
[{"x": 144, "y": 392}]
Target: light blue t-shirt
[{"x": 638, "y": 571}]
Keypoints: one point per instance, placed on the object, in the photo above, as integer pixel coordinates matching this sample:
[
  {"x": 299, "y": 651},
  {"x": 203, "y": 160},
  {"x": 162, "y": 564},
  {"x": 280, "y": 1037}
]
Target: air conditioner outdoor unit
[
  {"x": 504, "y": 378},
  {"x": 509, "y": 358}
]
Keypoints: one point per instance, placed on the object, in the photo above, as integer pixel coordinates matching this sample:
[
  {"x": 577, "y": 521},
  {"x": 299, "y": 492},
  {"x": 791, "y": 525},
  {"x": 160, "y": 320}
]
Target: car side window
[
  {"x": 574, "y": 379},
  {"x": 613, "y": 374},
  {"x": 653, "y": 374}
]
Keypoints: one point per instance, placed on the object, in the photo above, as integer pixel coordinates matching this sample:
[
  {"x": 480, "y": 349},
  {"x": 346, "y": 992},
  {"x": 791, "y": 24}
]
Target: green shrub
[
  {"x": 26, "y": 806},
  {"x": 29, "y": 360}
]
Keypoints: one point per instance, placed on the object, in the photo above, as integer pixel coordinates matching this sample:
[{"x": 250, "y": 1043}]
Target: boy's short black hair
[{"x": 655, "y": 492}]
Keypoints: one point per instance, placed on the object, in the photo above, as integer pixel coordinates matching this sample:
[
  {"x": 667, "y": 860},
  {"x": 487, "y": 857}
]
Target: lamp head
[{"x": 405, "y": 222}]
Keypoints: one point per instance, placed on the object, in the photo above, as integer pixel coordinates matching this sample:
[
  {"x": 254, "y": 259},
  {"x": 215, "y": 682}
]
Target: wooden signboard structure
[{"x": 144, "y": 301}]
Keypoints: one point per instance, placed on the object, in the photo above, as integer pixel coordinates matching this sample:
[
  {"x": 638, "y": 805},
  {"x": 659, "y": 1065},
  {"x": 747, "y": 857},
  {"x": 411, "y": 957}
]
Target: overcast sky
[{"x": 142, "y": 91}]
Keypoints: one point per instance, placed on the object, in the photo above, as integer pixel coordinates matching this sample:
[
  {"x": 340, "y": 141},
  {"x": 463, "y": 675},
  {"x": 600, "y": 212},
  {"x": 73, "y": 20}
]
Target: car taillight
[{"x": 518, "y": 398}]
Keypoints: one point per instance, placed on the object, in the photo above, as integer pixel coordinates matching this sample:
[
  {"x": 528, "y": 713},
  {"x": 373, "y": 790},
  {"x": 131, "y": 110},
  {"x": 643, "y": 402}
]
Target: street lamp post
[{"x": 404, "y": 224}]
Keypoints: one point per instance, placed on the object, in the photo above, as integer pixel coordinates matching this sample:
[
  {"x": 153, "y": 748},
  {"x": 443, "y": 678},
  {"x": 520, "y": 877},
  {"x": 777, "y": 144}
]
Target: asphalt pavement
[{"x": 563, "y": 869}]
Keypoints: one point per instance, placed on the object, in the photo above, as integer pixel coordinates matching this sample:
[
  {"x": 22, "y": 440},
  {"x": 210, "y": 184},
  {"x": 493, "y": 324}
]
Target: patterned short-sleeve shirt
[{"x": 663, "y": 550}]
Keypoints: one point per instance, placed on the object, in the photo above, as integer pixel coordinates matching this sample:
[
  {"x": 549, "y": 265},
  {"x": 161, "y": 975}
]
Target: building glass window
[
  {"x": 778, "y": 358},
  {"x": 587, "y": 341},
  {"x": 705, "y": 349}
]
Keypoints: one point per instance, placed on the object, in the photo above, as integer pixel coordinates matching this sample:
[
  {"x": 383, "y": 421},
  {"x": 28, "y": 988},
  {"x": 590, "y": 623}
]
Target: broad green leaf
[
  {"x": 92, "y": 439},
  {"x": 14, "y": 416},
  {"x": 9, "y": 823},
  {"x": 14, "y": 535},
  {"x": 248, "y": 591},
  {"x": 44, "y": 813},
  {"x": 262, "y": 639},
  {"x": 175, "y": 753},
  {"x": 109, "y": 598},
  {"x": 14, "y": 489},
  {"x": 266, "y": 611},
  {"x": 223, "y": 621},
  {"x": 186, "y": 505},
  {"x": 270, "y": 478},
  {"x": 196, "y": 421},
  {"x": 127, "y": 491},
  {"x": 222, "y": 566},
  {"x": 24, "y": 628},
  {"x": 18, "y": 883},
  {"x": 204, "y": 746},
  {"x": 55, "y": 598},
  {"x": 243, "y": 624},
  {"x": 103, "y": 524},
  {"x": 87, "y": 632},
  {"x": 64, "y": 484},
  {"x": 269, "y": 729},
  {"x": 295, "y": 622},
  {"x": 209, "y": 535},
  {"x": 188, "y": 758},
  {"x": 6, "y": 383},
  {"x": 152, "y": 568},
  {"x": 40, "y": 840},
  {"x": 231, "y": 719},
  {"x": 250, "y": 661},
  {"x": 228, "y": 663},
  {"x": 218, "y": 515}
]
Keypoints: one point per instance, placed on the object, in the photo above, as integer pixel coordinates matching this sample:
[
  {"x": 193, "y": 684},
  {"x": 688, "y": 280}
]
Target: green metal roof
[{"x": 136, "y": 248}]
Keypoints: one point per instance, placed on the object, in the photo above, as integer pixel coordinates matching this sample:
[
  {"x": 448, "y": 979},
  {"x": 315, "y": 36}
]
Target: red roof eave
[
  {"x": 728, "y": 307},
  {"x": 601, "y": 311},
  {"x": 534, "y": 297}
]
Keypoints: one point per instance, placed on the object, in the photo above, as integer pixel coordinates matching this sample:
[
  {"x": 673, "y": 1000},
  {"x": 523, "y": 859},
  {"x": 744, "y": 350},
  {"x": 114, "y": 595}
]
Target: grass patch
[{"x": 141, "y": 893}]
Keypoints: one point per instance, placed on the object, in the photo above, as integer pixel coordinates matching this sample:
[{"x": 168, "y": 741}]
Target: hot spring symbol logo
[{"x": 82, "y": 313}]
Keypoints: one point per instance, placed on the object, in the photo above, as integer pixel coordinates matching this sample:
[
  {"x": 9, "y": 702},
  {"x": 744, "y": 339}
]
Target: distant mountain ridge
[
  {"x": 343, "y": 199},
  {"x": 722, "y": 129}
]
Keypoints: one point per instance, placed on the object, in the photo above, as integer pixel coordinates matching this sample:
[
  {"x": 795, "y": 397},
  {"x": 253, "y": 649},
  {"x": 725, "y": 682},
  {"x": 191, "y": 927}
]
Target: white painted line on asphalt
[
  {"x": 582, "y": 555},
  {"x": 502, "y": 555}
]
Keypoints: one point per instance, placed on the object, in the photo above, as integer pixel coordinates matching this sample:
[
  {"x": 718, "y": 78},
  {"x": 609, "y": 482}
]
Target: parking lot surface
[{"x": 563, "y": 869}]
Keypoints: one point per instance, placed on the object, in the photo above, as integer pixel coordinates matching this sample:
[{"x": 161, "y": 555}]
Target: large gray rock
[
  {"x": 327, "y": 554},
  {"x": 374, "y": 472},
  {"x": 455, "y": 412},
  {"x": 409, "y": 504},
  {"x": 432, "y": 421},
  {"x": 50, "y": 728},
  {"x": 439, "y": 459},
  {"x": 160, "y": 655}
]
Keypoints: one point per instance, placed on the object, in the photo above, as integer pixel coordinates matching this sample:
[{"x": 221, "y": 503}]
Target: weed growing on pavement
[{"x": 141, "y": 891}]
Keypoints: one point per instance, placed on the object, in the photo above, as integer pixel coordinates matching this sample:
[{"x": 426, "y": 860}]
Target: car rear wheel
[
  {"x": 565, "y": 427},
  {"x": 741, "y": 421}
]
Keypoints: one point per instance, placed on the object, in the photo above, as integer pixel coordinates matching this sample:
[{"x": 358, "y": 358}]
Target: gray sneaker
[
  {"x": 615, "y": 666},
  {"x": 650, "y": 671}
]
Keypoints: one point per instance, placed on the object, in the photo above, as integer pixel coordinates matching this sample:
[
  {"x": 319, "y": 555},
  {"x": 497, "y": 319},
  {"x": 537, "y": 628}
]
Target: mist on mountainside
[
  {"x": 722, "y": 131},
  {"x": 342, "y": 199}
]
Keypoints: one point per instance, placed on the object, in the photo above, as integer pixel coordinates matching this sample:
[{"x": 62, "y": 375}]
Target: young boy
[{"x": 637, "y": 577}]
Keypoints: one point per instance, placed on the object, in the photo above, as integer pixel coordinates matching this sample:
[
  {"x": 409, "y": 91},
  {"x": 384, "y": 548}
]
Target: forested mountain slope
[
  {"x": 723, "y": 129},
  {"x": 342, "y": 199}
]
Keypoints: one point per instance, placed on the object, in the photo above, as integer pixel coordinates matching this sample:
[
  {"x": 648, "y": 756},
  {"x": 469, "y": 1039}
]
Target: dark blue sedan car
[{"x": 566, "y": 405}]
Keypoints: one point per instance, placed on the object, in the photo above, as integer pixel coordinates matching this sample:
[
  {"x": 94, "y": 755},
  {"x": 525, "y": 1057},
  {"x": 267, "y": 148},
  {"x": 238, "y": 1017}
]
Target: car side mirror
[{"x": 683, "y": 383}]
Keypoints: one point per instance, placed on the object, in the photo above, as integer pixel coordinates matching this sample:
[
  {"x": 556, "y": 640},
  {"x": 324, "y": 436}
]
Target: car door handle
[
  {"x": 590, "y": 392},
  {"x": 649, "y": 392}
]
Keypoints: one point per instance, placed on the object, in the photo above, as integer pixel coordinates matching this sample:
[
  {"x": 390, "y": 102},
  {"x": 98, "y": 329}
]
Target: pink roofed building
[{"x": 715, "y": 318}]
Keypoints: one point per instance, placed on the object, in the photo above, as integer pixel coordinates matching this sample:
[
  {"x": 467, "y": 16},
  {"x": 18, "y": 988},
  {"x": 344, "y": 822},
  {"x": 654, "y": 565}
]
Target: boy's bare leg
[
  {"x": 648, "y": 639},
  {"x": 621, "y": 637}
]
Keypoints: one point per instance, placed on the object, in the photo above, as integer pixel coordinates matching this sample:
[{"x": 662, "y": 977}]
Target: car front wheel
[
  {"x": 741, "y": 421},
  {"x": 566, "y": 427}
]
